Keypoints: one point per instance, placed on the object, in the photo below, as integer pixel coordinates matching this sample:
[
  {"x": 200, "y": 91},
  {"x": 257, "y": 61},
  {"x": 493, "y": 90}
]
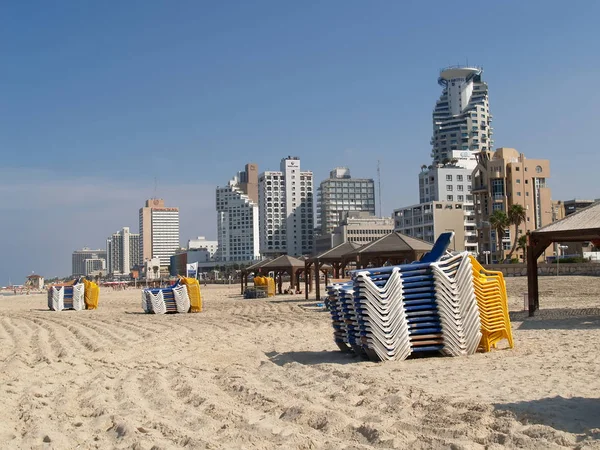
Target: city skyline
[{"x": 346, "y": 98}]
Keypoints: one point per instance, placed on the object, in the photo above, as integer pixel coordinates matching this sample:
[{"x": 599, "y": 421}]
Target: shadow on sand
[
  {"x": 576, "y": 415},
  {"x": 312, "y": 358},
  {"x": 559, "y": 319}
]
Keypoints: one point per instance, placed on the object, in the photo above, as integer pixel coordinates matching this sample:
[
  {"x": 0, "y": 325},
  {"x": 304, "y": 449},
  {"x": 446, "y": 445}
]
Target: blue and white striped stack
[
  {"x": 457, "y": 305},
  {"x": 391, "y": 313}
]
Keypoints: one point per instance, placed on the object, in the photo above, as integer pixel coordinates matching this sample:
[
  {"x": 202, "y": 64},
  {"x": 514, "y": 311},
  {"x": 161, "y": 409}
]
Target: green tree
[
  {"x": 522, "y": 244},
  {"x": 516, "y": 216},
  {"x": 499, "y": 222}
]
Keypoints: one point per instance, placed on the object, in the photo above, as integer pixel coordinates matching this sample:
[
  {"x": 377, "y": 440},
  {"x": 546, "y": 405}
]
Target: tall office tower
[
  {"x": 339, "y": 193},
  {"x": 159, "y": 231},
  {"x": 285, "y": 199},
  {"x": 123, "y": 251},
  {"x": 79, "y": 257},
  {"x": 504, "y": 178},
  {"x": 237, "y": 218},
  {"x": 461, "y": 119}
]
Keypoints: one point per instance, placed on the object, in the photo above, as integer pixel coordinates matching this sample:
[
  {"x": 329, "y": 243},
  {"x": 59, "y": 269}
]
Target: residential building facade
[
  {"x": 427, "y": 221},
  {"x": 237, "y": 218},
  {"x": 79, "y": 257},
  {"x": 159, "y": 231},
  {"x": 95, "y": 266},
  {"x": 123, "y": 252},
  {"x": 503, "y": 178},
  {"x": 339, "y": 193},
  {"x": 452, "y": 184},
  {"x": 355, "y": 226},
  {"x": 286, "y": 207},
  {"x": 202, "y": 243},
  {"x": 461, "y": 118}
]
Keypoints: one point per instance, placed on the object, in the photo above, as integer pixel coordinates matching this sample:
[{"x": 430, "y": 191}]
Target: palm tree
[
  {"x": 499, "y": 221},
  {"x": 516, "y": 216},
  {"x": 155, "y": 270},
  {"x": 522, "y": 244}
]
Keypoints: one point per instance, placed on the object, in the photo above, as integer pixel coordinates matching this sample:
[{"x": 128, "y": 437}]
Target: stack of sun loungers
[
  {"x": 391, "y": 313},
  {"x": 490, "y": 291},
  {"x": 173, "y": 299},
  {"x": 71, "y": 296}
]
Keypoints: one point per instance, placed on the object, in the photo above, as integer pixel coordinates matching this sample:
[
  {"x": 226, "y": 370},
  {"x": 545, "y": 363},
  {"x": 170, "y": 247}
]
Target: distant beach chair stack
[
  {"x": 263, "y": 287},
  {"x": 391, "y": 313},
  {"x": 76, "y": 295},
  {"x": 490, "y": 290},
  {"x": 183, "y": 297}
]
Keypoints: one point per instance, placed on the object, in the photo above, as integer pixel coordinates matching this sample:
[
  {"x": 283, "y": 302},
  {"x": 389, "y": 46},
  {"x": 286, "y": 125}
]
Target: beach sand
[{"x": 266, "y": 374}]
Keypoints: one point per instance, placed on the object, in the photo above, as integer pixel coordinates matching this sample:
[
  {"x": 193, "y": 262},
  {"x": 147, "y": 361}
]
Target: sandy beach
[{"x": 266, "y": 374}]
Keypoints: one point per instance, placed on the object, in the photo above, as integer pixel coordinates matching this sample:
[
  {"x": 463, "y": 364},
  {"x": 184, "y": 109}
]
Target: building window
[
  {"x": 538, "y": 169},
  {"x": 460, "y": 187},
  {"x": 449, "y": 187},
  {"x": 518, "y": 181},
  {"x": 448, "y": 177},
  {"x": 459, "y": 177},
  {"x": 450, "y": 198},
  {"x": 460, "y": 198}
]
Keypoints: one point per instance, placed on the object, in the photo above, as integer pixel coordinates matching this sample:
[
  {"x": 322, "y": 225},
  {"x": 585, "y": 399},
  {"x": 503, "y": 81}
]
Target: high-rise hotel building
[
  {"x": 237, "y": 218},
  {"x": 341, "y": 193},
  {"x": 286, "y": 206},
  {"x": 123, "y": 251},
  {"x": 159, "y": 231},
  {"x": 461, "y": 119}
]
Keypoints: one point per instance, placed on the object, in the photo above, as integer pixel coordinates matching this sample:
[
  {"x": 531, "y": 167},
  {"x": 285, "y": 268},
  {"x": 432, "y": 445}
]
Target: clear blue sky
[{"x": 98, "y": 98}]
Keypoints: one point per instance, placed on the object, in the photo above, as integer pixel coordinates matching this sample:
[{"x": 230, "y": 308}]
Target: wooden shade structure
[
  {"x": 393, "y": 248},
  {"x": 285, "y": 264},
  {"x": 334, "y": 257},
  {"x": 581, "y": 226}
]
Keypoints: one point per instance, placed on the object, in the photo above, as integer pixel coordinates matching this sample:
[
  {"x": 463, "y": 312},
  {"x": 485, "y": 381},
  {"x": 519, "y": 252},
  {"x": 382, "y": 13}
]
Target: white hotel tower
[
  {"x": 461, "y": 128},
  {"x": 461, "y": 119},
  {"x": 285, "y": 200}
]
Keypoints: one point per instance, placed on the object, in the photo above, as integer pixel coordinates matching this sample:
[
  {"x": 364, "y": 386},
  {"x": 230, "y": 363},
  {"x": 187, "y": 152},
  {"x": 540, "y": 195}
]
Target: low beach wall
[{"x": 520, "y": 270}]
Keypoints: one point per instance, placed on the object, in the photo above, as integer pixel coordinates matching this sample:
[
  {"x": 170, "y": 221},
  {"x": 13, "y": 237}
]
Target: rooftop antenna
[
  {"x": 155, "y": 186},
  {"x": 379, "y": 186}
]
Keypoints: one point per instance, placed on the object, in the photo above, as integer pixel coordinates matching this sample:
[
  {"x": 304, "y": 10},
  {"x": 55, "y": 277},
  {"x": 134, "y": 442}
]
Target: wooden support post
[
  {"x": 306, "y": 279},
  {"x": 242, "y": 281},
  {"x": 532, "y": 279},
  {"x": 317, "y": 280}
]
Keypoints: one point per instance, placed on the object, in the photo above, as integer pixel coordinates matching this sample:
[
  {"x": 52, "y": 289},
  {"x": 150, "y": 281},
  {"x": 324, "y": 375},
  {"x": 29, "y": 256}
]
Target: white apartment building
[
  {"x": 237, "y": 222},
  {"x": 427, "y": 221},
  {"x": 122, "y": 252},
  {"x": 94, "y": 265},
  {"x": 79, "y": 257},
  {"x": 285, "y": 200},
  {"x": 450, "y": 184},
  {"x": 339, "y": 193},
  {"x": 355, "y": 226},
  {"x": 159, "y": 231},
  {"x": 201, "y": 243},
  {"x": 461, "y": 119}
]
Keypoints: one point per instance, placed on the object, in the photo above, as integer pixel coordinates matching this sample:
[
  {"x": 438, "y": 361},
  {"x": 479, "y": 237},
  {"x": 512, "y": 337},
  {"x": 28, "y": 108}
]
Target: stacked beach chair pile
[
  {"x": 183, "y": 297},
  {"x": 266, "y": 284},
  {"x": 490, "y": 290},
  {"x": 76, "y": 295},
  {"x": 263, "y": 287},
  {"x": 391, "y": 313}
]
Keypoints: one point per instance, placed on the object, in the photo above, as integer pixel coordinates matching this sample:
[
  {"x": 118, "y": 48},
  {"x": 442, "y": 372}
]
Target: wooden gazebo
[
  {"x": 248, "y": 270},
  {"x": 285, "y": 264},
  {"x": 393, "y": 248},
  {"x": 335, "y": 257},
  {"x": 581, "y": 226}
]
